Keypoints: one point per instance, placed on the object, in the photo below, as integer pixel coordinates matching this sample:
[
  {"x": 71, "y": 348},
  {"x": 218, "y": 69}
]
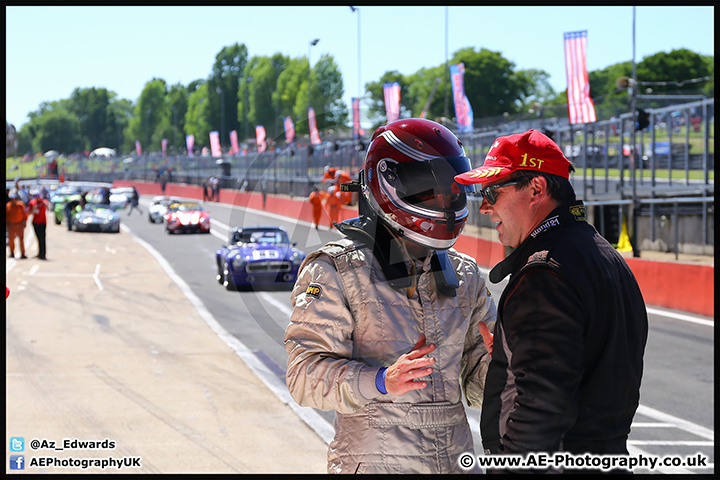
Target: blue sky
[{"x": 50, "y": 51}]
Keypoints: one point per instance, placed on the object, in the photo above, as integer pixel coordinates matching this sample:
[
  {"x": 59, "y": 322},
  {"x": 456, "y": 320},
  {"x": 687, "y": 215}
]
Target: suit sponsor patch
[{"x": 314, "y": 290}]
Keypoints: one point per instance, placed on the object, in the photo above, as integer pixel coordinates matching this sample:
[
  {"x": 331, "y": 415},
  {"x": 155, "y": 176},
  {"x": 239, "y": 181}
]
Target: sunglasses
[{"x": 489, "y": 194}]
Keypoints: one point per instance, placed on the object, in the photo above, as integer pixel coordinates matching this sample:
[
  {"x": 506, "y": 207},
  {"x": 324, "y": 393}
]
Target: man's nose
[{"x": 485, "y": 207}]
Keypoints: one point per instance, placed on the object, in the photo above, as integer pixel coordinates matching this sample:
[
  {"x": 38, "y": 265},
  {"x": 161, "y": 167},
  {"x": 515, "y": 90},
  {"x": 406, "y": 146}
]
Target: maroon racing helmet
[{"x": 409, "y": 181}]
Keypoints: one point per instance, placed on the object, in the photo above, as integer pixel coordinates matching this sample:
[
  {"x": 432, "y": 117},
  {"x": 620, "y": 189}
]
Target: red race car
[{"x": 186, "y": 217}]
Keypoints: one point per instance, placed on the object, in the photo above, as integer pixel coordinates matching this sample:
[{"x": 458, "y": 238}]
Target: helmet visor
[{"x": 430, "y": 184}]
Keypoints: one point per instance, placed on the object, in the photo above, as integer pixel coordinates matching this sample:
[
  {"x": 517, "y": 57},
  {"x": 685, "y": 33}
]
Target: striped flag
[
  {"x": 356, "y": 117},
  {"x": 215, "y": 144},
  {"x": 392, "y": 100},
  {"x": 260, "y": 137},
  {"x": 463, "y": 110},
  {"x": 289, "y": 130},
  {"x": 234, "y": 142},
  {"x": 314, "y": 134},
  {"x": 580, "y": 106},
  {"x": 190, "y": 141}
]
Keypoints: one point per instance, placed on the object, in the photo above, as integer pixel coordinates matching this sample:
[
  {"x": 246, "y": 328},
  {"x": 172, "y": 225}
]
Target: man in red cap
[{"x": 572, "y": 324}]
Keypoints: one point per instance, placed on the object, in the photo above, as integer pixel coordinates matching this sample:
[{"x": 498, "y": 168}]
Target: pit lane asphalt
[{"x": 101, "y": 343}]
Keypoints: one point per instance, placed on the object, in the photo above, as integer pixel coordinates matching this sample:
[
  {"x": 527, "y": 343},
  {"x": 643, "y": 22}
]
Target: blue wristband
[{"x": 380, "y": 380}]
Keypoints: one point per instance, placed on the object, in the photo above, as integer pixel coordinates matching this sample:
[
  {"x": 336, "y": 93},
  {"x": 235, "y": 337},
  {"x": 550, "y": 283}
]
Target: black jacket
[{"x": 572, "y": 325}]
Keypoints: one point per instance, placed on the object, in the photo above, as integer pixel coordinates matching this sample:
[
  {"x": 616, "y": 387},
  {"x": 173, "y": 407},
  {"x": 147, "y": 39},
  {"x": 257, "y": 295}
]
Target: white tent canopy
[
  {"x": 103, "y": 152},
  {"x": 51, "y": 153}
]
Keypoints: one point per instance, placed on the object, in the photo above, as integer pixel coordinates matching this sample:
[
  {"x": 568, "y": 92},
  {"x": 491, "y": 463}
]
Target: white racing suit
[{"x": 348, "y": 322}]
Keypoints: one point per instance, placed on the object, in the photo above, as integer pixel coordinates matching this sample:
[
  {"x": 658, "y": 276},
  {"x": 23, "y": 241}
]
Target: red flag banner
[
  {"x": 314, "y": 134},
  {"x": 164, "y": 147},
  {"x": 581, "y": 108},
  {"x": 190, "y": 141},
  {"x": 234, "y": 142},
  {"x": 391, "y": 91},
  {"x": 289, "y": 130},
  {"x": 356, "y": 117},
  {"x": 215, "y": 144},
  {"x": 138, "y": 148},
  {"x": 260, "y": 137}
]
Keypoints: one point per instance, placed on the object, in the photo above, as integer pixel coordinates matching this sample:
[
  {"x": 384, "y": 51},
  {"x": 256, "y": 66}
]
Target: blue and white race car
[{"x": 258, "y": 256}]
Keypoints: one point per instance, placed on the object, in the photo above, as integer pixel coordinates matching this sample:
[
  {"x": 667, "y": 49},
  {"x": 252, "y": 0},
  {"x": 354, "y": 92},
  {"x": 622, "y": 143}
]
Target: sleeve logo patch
[{"x": 314, "y": 290}]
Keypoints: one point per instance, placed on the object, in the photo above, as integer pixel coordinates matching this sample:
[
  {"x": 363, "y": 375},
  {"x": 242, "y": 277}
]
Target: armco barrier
[{"x": 678, "y": 286}]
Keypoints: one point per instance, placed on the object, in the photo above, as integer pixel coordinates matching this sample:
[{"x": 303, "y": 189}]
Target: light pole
[
  {"x": 446, "y": 64},
  {"x": 222, "y": 114},
  {"x": 359, "y": 86},
  {"x": 278, "y": 68},
  {"x": 174, "y": 109},
  {"x": 312, "y": 44},
  {"x": 633, "y": 149},
  {"x": 247, "y": 80},
  {"x": 147, "y": 137}
]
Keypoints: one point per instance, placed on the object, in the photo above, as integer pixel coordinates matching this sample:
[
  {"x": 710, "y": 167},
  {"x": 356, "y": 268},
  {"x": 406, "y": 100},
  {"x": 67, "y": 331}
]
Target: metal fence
[{"x": 675, "y": 167}]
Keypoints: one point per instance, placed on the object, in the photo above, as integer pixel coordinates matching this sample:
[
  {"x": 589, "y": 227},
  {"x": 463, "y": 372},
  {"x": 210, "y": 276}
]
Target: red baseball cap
[{"x": 531, "y": 150}]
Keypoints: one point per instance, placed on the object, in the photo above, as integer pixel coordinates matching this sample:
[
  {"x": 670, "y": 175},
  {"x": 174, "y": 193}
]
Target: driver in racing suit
[{"x": 385, "y": 324}]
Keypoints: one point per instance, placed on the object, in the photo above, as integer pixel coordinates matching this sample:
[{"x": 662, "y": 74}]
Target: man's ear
[{"x": 538, "y": 189}]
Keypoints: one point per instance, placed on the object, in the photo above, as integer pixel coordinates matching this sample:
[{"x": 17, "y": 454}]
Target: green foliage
[
  {"x": 223, "y": 83},
  {"x": 326, "y": 94},
  {"x": 283, "y": 86},
  {"x": 58, "y": 130},
  {"x": 196, "y": 118},
  {"x": 672, "y": 68},
  {"x": 148, "y": 111}
]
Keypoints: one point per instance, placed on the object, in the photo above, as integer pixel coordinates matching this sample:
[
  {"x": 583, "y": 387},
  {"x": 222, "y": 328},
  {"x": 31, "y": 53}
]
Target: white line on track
[
  {"x": 325, "y": 430},
  {"x": 318, "y": 424}
]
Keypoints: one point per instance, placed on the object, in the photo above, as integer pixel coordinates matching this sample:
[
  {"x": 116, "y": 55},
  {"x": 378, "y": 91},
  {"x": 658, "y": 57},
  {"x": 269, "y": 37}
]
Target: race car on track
[
  {"x": 96, "y": 217},
  {"x": 120, "y": 197},
  {"x": 186, "y": 217},
  {"x": 159, "y": 206},
  {"x": 258, "y": 256}
]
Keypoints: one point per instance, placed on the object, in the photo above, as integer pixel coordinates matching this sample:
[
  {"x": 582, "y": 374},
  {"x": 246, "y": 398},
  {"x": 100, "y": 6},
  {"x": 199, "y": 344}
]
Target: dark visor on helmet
[{"x": 431, "y": 183}]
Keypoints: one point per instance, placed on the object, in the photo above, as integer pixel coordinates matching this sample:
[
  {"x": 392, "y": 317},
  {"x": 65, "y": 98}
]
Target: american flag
[
  {"x": 580, "y": 106},
  {"x": 260, "y": 136},
  {"x": 463, "y": 110},
  {"x": 314, "y": 134},
  {"x": 392, "y": 100},
  {"x": 289, "y": 130}
]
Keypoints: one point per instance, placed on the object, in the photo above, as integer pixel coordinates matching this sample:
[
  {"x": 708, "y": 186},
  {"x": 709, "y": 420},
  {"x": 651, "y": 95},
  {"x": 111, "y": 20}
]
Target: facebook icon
[{"x": 17, "y": 462}]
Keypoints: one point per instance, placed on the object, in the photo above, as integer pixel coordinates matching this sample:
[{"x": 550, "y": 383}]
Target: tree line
[{"x": 242, "y": 92}]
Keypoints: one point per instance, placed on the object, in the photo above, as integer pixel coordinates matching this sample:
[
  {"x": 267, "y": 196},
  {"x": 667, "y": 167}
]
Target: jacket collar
[{"x": 547, "y": 230}]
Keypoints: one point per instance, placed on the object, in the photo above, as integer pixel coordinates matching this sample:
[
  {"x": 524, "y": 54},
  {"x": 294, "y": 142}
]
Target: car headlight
[
  {"x": 204, "y": 220},
  {"x": 296, "y": 258},
  {"x": 238, "y": 261}
]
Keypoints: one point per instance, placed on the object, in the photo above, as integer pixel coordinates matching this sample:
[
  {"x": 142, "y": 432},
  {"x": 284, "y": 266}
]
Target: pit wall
[{"x": 677, "y": 286}]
